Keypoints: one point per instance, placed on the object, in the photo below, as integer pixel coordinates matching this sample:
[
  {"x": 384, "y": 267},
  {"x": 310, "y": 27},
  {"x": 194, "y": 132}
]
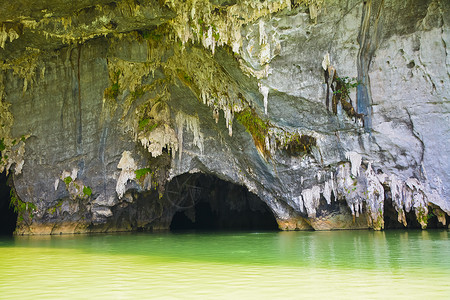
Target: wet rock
[{"x": 104, "y": 104}]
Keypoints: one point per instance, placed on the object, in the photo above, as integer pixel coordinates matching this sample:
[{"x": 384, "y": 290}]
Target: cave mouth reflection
[
  {"x": 205, "y": 202},
  {"x": 8, "y": 217}
]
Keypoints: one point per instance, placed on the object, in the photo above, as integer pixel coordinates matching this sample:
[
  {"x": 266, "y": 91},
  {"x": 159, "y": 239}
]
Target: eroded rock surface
[{"x": 326, "y": 110}]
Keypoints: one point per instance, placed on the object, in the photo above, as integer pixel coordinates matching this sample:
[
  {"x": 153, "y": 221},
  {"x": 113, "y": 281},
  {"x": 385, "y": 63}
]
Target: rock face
[{"x": 326, "y": 110}]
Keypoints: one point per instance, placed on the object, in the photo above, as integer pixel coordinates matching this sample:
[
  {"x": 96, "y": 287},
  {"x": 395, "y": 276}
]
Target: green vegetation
[
  {"x": 67, "y": 181},
  {"x": 113, "y": 91},
  {"x": 145, "y": 124},
  {"x": 141, "y": 173},
  {"x": 344, "y": 85},
  {"x": 379, "y": 222},
  {"x": 297, "y": 144},
  {"x": 423, "y": 217},
  {"x": 152, "y": 127},
  {"x": 138, "y": 92},
  {"x": 20, "y": 207},
  {"x": 215, "y": 34},
  {"x": 2, "y": 145},
  {"x": 58, "y": 205},
  {"x": 341, "y": 93},
  {"x": 87, "y": 191},
  {"x": 293, "y": 143},
  {"x": 256, "y": 126}
]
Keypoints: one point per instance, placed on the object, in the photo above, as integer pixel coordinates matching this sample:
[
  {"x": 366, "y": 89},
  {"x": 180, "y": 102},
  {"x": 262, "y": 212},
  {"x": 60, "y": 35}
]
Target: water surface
[{"x": 239, "y": 265}]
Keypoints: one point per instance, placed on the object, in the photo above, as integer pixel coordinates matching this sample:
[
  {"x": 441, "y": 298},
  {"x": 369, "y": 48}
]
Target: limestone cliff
[{"x": 334, "y": 113}]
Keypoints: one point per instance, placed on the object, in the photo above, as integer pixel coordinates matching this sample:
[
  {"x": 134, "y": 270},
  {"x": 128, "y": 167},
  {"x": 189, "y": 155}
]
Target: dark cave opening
[
  {"x": 204, "y": 202},
  {"x": 8, "y": 217},
  {"x": 391, "y": 216}
]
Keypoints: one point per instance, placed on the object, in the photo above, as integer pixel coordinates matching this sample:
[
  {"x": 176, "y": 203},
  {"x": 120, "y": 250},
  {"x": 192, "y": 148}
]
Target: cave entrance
[
  {"x": 8, "y": 217},
  {"x": 205, "y": 202},
  {"x": 391, "y": 217}
]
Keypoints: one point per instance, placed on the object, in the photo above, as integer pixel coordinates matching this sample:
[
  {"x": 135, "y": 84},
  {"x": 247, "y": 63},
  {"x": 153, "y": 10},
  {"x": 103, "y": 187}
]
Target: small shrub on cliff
[
  {"x": 23, "y": 209},
  {"x": 341, "y": 93},
  {"x": 68, "y": 180},
  {"x": 344, "y": 85},
  {"x": 256, "y": 126},
  {"x": 2, "y": 145},
  {"x": 87, "y": 191},
  {"x": 113, "y": 91},
  {"x": 141, "y": 173},
  {"x": 297, "y": 144}
]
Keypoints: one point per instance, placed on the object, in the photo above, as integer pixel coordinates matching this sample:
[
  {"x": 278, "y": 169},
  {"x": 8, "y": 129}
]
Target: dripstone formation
[{"x": 334, "y": 114}]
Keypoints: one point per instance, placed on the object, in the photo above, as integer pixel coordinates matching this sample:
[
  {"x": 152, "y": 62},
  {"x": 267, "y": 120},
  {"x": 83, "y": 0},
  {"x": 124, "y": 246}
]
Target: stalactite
[
  {"x": 311, "y": 199},
  {"x": 355, "y": 160},
  {"x": 192, "y": 124},
  {"x": 128, "y": 166},
  {"x": 264, "y": 90},
  {"x": 6, "y": 34}
]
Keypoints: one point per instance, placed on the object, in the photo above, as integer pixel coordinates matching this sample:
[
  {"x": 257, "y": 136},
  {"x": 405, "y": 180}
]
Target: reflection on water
[{"x": 267, "y": 265}]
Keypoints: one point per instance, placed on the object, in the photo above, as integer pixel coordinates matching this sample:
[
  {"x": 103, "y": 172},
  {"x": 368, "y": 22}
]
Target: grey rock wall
[{"x": 110, "y": 119}]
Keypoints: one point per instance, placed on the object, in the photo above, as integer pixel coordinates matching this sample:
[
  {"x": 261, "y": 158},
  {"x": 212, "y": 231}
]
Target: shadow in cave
[
  {"x": 204, "y": 202},
  {"x": 8, "y": 217},
  {"x": 391, "y": 217}
]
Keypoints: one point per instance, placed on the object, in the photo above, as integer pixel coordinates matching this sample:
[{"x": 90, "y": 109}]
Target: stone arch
[{"x": 205, "y": 202}]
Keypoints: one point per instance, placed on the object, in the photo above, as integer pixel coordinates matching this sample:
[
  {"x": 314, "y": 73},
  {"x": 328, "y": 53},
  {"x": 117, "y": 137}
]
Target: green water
[{"x": 243, "y": 265}]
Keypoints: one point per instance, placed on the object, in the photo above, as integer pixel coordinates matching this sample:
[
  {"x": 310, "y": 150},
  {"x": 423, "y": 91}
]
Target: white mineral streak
[
  {"x": 264, "y": 54},
  {"x": 75, "y": 186},
  {"x": 327, "y": 190},
  {"x": 192, "y": 124},
  {"x": 208, "y": 41},
  {"x": 375, "y": 197},
  {"x": 72, "y": 174},
  {"x": 102, "y": 212},
  {"x": 368, "y": 187},
  {"x": 326, "y": 62},
  {"x": 417, "y": 195},
  {"x": 16, "y": 158},
  {"x": 298, "y": 203},
  {"x": 236, "y": 38},
  {"x": 347, "y": 187},
  {"x": 5, "y": 34},
  {"x": 228, "y": 113},
  {"x": 262, "y": 34},
  {"x": 355, "y": 160},
  {"x": 196, "y": 17},
  {"x": 415, "y": 191},
  {"x": 313, "y": 11},
  {"x": 264, "y": 90},
  {"x": 258, "y": 74},
  {"x": 161, "y": 137},
  {"x": 311, "y": 199},
  {"x": 411, "y": 194},
  {"x": 128, "y": 166},
  {"x": 396, "y": 186}
]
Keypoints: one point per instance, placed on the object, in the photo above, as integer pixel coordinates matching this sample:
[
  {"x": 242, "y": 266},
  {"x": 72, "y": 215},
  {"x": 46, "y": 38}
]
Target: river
[{"x": 228, "y": 265}]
